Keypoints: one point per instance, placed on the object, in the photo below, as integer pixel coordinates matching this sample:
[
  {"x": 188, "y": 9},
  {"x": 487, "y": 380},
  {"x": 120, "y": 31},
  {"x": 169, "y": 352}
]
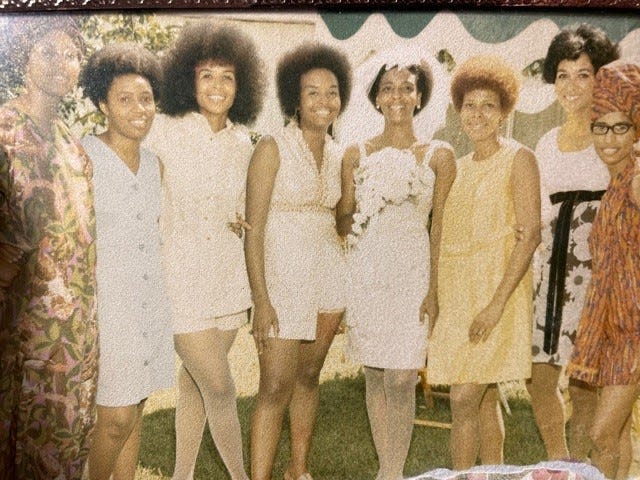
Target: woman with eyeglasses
[
  {"x": 607, "y": 348},
  {"x": 572, "y": 182}
]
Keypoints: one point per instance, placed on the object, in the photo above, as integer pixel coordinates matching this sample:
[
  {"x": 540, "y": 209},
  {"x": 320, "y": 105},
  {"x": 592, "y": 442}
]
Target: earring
[{"x": 378, "y": 107}]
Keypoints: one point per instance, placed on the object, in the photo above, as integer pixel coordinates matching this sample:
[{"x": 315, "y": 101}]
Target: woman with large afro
[
  {"x": 213, "y": 88},
  {"x": 293, "y": 252}
]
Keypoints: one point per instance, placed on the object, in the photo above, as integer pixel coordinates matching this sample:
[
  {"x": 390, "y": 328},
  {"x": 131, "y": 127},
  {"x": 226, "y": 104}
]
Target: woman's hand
[
  {"x": 430, "y": 308},
  {"x": 239, "y": 225},
  {"x": 485, "y": 322},
  {"x": 264, "y": 320}
]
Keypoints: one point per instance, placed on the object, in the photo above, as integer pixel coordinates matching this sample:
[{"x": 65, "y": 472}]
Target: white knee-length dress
[
  {"x": 134, "y": 321},
  {"x": 389, "y": 260},
  {"x": 304, "y": 263}
]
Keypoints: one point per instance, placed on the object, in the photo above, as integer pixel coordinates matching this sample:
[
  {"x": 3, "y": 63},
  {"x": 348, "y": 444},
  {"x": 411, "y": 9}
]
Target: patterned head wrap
[{"x": 617, "y": 89}]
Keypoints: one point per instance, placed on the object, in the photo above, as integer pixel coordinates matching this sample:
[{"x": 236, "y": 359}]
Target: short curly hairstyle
[
  {"x": 573, "y": 41},
  {"x": 307, "y": 57},
  {"x": 23, "y": 33},
  {"x": 424, "y": 83},
  {"x": 203, "y": 41},
  {"x": 114, "y": 60},
  {"x": 485, "y": 72}
]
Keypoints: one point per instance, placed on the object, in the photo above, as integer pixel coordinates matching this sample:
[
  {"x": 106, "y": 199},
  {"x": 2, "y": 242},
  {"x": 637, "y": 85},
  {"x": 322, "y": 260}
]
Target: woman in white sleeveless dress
[
  {"x": 389, "y": 185},
  {"x": 295, "y": 264}
]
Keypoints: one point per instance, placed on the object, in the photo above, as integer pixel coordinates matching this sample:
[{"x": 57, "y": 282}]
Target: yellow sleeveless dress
[{"x": 478, "y": 236}]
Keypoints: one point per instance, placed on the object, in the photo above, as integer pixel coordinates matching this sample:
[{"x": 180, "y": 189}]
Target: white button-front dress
[
  {"x": 135, "y": 335},
  {"x": 204, "y": 184}
]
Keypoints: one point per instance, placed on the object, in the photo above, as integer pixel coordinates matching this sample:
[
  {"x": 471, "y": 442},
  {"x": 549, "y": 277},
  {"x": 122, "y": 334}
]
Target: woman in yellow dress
[{"x": 482, "y": 335}]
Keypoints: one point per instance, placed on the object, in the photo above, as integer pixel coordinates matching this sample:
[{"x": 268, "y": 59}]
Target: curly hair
[
  {"x": 307, "y": 57},
  {"x": 485, "y": 72},
  {"x": 24, "y": 32},
  {"x": 573, "y": 41},
  {"x": 203, "y": 41},
  {"x": 424, "y": 83},
  {"x": 118, "y": 59}
]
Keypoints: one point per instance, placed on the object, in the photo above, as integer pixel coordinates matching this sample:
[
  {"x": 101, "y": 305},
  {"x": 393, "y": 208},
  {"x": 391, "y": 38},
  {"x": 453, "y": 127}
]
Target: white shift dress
[
  {"x": 389, "y": 263},
  {"x": 135, "y": 337},
  {"x": 204, "y": 187},
  {"x": 304, "y": 263}
]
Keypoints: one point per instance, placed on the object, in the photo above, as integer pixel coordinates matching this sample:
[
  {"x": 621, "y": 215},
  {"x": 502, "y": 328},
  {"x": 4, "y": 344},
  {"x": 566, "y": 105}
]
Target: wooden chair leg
[{"x": 428, "y": 400}]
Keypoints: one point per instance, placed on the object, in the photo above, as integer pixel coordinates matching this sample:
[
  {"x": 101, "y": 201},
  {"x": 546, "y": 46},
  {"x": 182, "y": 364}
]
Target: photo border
[{"x": 92, "y": 5}]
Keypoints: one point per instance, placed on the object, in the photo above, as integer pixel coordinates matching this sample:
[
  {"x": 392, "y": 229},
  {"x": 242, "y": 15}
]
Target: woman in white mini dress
[
  {"x": 389, "y": 186},
  {"x": 136, "y": 348},
  {"x": 293, "y": 253},
  {"x": 213, "y": 88}
]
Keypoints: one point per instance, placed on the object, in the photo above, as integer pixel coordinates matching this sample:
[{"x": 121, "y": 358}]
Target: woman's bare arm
[
  {"x": 525, "y": 185},
  {"x": 261, "y": 176},
  {"x": 347, "y": 204},
  {"x": 443, "y": 164}
]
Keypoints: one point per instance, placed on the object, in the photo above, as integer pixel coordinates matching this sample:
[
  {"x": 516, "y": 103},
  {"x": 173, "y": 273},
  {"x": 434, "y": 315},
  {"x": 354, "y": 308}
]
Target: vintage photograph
[{"x": 320, "y": 244}]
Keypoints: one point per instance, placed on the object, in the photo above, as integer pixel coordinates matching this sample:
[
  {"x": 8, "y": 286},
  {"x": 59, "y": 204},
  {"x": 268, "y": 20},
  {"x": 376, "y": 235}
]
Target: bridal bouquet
[{"x": 381, "y": 179}]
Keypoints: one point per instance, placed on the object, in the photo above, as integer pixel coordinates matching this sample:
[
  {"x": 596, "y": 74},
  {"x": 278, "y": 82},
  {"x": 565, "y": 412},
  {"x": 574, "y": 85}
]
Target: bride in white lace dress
[{"x": 389, "y": 185}]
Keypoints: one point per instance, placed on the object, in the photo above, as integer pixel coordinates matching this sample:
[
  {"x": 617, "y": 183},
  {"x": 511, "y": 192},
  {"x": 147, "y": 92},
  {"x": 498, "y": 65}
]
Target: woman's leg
[
  {"x": 204, "y": 355},
  {"x": 613, "y": 411},
  {"x": 278, "y": 372},
  {"x": 465, "y": 429},
  {"x": 127, "y": 461},
  {"x": 377, "y": 411},
  {"x": 304, "y": 400},
  {"x": 113, "y": 428},
  {"x": 584, "y": 400},
  {"x": 626, "y": 450},
  {"x": 400, "y": 392},
  {"x": 190, "y": 422},
  {"x": 491, "y": 428},
  {"x": 548, "y": 410}
]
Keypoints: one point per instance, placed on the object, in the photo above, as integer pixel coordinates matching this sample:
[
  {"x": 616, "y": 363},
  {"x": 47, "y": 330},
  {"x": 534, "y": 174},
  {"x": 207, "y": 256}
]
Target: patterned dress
[
  {"x": 478, "y": 236},
  {"x": 572, "y": 184},
  {"x": 607, "y": 350},
  {"x": 48, "y": 331}
]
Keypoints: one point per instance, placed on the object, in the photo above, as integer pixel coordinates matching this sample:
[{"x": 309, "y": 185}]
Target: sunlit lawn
[{"x": 342, "y": 447}]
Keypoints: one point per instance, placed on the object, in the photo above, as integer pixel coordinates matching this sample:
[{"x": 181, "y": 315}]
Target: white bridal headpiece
[{"x": 361, "y": 121}]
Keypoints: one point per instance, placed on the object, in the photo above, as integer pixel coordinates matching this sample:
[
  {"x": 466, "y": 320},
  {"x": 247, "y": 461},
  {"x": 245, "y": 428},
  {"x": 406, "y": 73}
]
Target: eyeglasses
[{"x": 617, "y": 128}]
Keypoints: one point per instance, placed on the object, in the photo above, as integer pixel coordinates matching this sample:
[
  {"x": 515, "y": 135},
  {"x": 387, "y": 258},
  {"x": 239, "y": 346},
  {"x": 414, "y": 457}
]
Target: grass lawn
[{"x": 342, "y": 446}]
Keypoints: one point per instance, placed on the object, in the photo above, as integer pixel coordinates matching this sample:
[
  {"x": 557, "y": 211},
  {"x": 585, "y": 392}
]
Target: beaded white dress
[
  {"x": 389, "y": 260},
  {"x": 304, "y": 263}
]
